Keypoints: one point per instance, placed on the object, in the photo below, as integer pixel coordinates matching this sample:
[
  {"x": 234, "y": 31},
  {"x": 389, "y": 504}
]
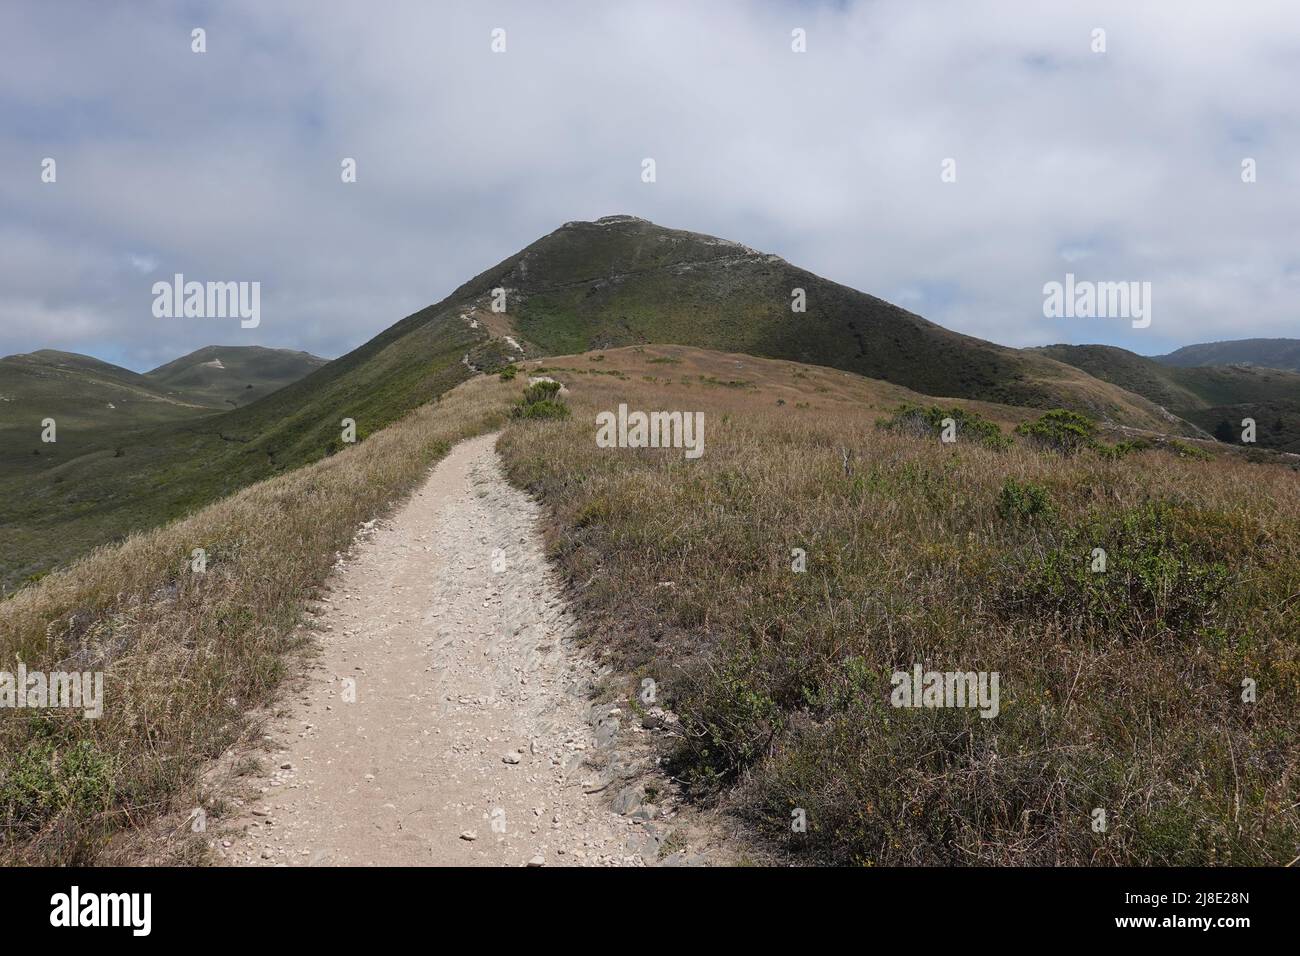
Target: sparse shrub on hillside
[
  {"x": 927, "y": 420},
  {"x": 1061, "y": 430},
  {"x": 1171, "y": 446},
  {"x": 726, "y": 383},
  {"x": 1184, "y": 450},
  {"x": 1123, "y": 448},
  {"x": 55, "y": 776},
  {"x": 509, "y": 372},
  {"x": 540, "y": 392},
  {"x": 541, "y": 400},
  {"x": 543, "y": 409},
  {"x": 731, "y": 725}
]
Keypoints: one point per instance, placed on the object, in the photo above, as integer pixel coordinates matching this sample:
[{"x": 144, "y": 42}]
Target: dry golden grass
[
  {"x": 187, "y": 655},
  {"x": 1120, "y": 691}
]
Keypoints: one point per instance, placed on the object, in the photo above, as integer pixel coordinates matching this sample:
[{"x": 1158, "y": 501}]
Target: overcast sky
[{"x": 225, "y": 165}]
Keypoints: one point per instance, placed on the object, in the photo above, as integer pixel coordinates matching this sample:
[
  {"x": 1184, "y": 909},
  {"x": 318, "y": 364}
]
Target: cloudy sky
[{"x": 225, "y": 165}]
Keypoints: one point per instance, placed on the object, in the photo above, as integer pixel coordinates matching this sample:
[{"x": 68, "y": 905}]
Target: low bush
[
  {"x": 928, "y": 420},
  {"x": 541, "y": 400},
  {"x": 1061, "y": 430}
]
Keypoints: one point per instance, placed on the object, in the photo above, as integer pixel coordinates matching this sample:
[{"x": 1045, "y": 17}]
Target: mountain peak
[{"x": 618, "y": 219}]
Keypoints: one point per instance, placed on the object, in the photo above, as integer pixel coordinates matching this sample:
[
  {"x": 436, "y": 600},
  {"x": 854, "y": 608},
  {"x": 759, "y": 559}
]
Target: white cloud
[
  {"x": 225, "y": 165},
  {"x": 143, "y": 264}
]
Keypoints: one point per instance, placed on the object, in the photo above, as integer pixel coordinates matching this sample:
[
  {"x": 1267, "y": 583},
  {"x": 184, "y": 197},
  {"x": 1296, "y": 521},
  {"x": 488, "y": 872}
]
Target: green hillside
[
  {"x": 231, "y": 376},
  {"x": 90, "y": 401},
  {"x": 1214, "y": 398},
  {"x": 120, "y": 482},
  {"x": 94, "y": 402}
]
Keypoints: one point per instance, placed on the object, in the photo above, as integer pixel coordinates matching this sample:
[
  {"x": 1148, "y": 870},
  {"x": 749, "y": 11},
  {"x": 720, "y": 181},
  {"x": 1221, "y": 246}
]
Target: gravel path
[{"x": 442, "y": 722}]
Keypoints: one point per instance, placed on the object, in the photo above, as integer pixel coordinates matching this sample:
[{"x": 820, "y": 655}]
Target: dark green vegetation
[
  {"x": 1120, "y": 689},
  {"x": 540, "y": 400},
  {"x": 1270, "y": 353},
  {"x": 1214, "y": 399},
  {"x": 1061, "y": 431}
]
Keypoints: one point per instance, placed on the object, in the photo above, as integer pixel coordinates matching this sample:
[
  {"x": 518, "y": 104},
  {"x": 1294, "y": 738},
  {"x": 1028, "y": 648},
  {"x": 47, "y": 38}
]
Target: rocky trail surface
[{"x": 447, "y": 719}]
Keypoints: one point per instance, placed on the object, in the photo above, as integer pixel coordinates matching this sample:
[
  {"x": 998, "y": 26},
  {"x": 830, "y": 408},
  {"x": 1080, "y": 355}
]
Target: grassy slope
[
  {"x": 187, "y": 656},
  {"x": 1123, "y": 696},
  {"x": 94, "y": 402},
  {"x": 1118, "y": 690},
  {"x": 77, "y": 392},
  {"x": 248, "y": 373},
  {"x": 167, "y": 471},
  {"x": 1215, "y": 398}
]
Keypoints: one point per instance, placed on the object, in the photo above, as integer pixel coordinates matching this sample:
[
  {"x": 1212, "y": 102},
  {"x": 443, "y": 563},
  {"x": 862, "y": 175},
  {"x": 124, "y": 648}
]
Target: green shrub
[
  {"x": 1024, "y": 501},
  {"x": 543, "y": 409},
  {"x": 925, "y": 421},
  {"x": 1123, "y": 448},
  {"x": 1061, "y": 431},
  {"x": 1184, "y": 450},
  {"x": 47, "y": 780},
  {"x": 1166, "y": 570},
  {"x": 729, "y": 720},
  {"x": 541, "y": 400},
  {"x": 540, "y": 392},
  {"x": 508, "y": 373}
]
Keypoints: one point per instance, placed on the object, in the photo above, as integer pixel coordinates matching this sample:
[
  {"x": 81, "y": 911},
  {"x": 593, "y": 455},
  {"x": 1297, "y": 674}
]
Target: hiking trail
[{"x": 463, "y": 739}]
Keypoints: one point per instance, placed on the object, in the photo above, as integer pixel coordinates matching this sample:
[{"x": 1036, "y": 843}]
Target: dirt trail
[{"x": 466, "y": 740}]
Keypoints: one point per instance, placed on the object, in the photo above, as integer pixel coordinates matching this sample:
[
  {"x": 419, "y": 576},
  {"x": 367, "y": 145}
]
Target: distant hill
[
  {"x": 92, "y": 401},
  {"x": 87, "y": 398},
  {"x": 229, "y": 376},
  {"x": 1214, "y": 398},
  {"x": 1270, "y": 353}
]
